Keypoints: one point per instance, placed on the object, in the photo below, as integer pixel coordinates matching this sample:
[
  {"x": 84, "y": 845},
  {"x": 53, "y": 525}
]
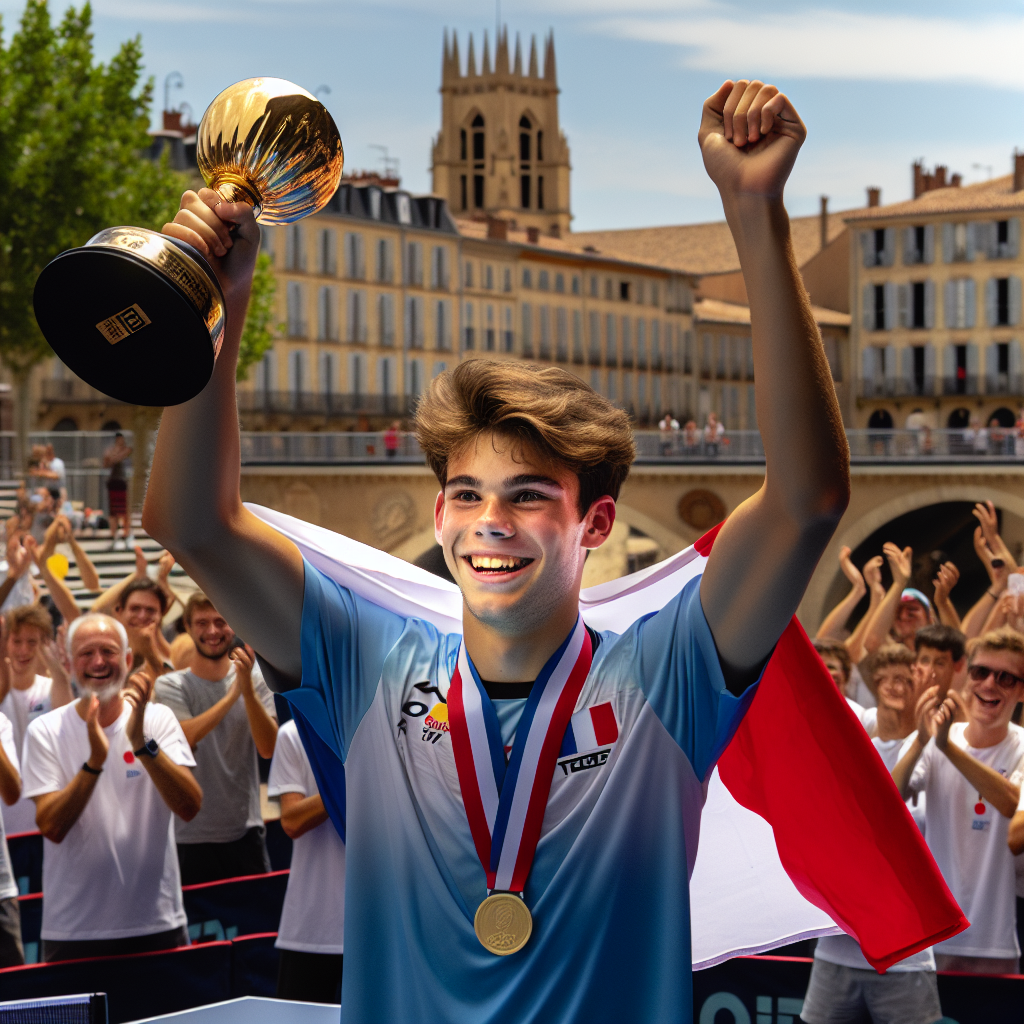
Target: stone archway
[{"x": 853, "y": 531}]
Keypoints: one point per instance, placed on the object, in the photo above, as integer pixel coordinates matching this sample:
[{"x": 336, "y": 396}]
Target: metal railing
[
  {"x": 294, "y": 448},
  {"x": 311, "y": 403},
  {"x": 1003, "y": 384}
]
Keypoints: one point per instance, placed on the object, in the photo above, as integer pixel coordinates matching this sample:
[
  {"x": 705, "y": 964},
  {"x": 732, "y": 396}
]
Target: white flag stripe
[
  {"x": 741, "y": 899},
  {"x": 531, "y": 757},
  {"x": 583, "y": 731},
  {"x": 478, "y": 740}
]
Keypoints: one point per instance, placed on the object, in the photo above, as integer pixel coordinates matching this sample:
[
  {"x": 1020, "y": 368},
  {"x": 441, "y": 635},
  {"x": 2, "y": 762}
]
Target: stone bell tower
[{"x": 500, "y": 151}]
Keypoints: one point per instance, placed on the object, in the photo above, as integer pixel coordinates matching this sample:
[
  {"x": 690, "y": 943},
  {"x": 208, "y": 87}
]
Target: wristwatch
[{"x": 150, "y": 747}]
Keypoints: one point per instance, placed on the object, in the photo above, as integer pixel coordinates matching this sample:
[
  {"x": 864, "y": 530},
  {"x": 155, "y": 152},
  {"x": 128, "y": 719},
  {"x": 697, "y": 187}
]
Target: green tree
[
  {"x": 73, "y": 135},
  {"x": 258, "y": 333}
]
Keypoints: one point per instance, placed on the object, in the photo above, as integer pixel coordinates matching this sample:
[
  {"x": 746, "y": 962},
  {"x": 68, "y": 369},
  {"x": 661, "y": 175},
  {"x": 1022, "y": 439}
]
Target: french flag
[
  {"x": 803, "y": 832},
  {"x": 590, "y": 729}
]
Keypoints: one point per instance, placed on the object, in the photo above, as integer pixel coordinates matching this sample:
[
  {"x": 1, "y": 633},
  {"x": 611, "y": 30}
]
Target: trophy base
[{"x": 137, "y": 315}]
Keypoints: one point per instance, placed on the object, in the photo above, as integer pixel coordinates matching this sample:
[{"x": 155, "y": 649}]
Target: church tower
[{"x": 500, "y": 151}]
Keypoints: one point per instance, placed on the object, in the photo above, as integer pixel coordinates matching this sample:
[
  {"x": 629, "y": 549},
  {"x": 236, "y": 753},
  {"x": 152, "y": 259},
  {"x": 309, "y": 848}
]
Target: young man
[
  {"x": 940, "y": 658},
  {"x": 25, "y": 693},
  {"x": 311, "y": 933},
  {"x": 140, "y": 608},
  {"x": 227, "y": 838},
  {"x": 843, "y": 985},
  {"x": 903, "y": 610},
  {"x": 107, "y": 774},
  {"x": 530, "y": 462},
  {"x": 836, "y": 659},
  {"x": 965, "y": 769}
]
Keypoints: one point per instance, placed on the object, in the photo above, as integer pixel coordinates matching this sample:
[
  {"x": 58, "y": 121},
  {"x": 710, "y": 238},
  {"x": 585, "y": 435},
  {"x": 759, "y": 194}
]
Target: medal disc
[{"x": 503, "y": 923}]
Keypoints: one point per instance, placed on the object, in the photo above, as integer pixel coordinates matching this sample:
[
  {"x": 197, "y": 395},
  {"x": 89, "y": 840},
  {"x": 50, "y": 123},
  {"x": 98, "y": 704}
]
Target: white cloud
[{"x": 838, "y": 45}]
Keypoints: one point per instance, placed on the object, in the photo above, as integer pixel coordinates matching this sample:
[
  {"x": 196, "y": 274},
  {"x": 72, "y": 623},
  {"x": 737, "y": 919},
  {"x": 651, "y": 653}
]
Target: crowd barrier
[
  {"x": 770, "y": 990},
  {"x": 148, "y": 984}
]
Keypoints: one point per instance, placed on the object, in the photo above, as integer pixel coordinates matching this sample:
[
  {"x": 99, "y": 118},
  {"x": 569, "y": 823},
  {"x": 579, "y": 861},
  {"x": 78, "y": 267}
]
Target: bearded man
[{"x": 107, "y": 773}]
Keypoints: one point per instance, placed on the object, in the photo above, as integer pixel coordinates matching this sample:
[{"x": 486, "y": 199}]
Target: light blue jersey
[{"x": 609, "y": 887}]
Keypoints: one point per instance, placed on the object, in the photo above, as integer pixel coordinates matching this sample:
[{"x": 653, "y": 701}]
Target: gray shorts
[{"x": 840, "y": 995}]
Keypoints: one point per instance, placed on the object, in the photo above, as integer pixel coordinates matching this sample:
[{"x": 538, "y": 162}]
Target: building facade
[{"x": 935, "y": 283}]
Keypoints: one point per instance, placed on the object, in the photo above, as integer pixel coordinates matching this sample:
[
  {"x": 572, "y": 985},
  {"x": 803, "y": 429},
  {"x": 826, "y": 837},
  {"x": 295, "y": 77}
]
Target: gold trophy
[{"x": 140, "y": 316}]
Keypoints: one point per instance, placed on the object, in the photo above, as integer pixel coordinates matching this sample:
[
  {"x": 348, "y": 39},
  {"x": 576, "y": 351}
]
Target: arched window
[
  {"x": 462, "y": 144},
  {"x": 478, "y": 138},
  {"x": 880, "y": 419},
  {"x": 524, "y": 161},
  {"x": 959, "y": 419},
  {"x": 478, "y": 161}
]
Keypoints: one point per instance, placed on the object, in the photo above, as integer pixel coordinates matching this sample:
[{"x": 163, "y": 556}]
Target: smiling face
[
  {"x": 935, "y": 668},
  {"x": 989, "y": 703},
  {"x": 210, "y": 632},
  {"x": 99, "y": 660},
  {"x": 895, "y": 686},
  {"x": 23, "y": 646},
  {"x": 141, "y": 609},
  {"x": 910, "y": 617},
  {"x": 509, "y": 523}
]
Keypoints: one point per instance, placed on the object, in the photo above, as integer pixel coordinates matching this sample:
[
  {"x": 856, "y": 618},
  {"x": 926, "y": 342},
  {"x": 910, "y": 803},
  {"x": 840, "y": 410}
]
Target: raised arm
[
  {"x": 835, "y": 621},
  {"x": 945, "y": 580},
  {"x": 901, "y": 564},
  {"x": 111, "y": 597},
  {"x": 873, "y": 578},
  {"x": 768, "y": 548},
  {"x": 193, "y": 506}
]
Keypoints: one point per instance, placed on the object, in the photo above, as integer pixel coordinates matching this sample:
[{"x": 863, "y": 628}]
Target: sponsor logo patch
[
  {"x": 584, "y": 762},
  {"x": 119, "y": 326}
]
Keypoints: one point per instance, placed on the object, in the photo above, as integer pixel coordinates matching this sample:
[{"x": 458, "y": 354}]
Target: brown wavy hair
[{"x": 546, "y": 407}]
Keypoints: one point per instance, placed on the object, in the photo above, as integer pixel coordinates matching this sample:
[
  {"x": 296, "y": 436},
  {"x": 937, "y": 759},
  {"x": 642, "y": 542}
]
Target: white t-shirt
[
  {"x": 116, "y": 872},
  {"x": 866, "y": 716},
  {"x": 21, "y": 707},
  {"x": 8, "y": 886},
  {"x": 859, "y": 691},
  {"x": 843, "y": 949},
  {"x": 313, "y": 917},
  {"x": 968, "y": 838}
]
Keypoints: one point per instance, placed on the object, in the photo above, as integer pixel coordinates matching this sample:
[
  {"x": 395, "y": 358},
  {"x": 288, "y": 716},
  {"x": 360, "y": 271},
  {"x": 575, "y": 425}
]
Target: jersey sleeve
[
  {"x": 40, "y": 767},
  {"x": 161, "y": 725},
  {"x": 7, "y": 740},
  {"x": 168, "y": 691},
  {"x": 288, "y": 772},
  {"x": 344, "y": 641},
  {"x": 676, "y": 665}
]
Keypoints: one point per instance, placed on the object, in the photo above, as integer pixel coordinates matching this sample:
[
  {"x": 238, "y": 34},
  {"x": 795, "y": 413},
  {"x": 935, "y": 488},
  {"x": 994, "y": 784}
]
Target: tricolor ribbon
[{"x": 505, "y": 804}]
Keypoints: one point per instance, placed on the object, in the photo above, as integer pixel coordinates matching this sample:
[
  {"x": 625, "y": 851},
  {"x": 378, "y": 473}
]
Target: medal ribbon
[{"x": 505, "y": 804}]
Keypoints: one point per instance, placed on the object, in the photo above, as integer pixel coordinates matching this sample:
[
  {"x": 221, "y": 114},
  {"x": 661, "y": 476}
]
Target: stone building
[{"x": 935, "y": 282}]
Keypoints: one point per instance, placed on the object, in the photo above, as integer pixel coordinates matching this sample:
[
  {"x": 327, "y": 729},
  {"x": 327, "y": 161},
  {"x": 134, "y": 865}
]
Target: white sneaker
[{"x": 119, "y": 545}]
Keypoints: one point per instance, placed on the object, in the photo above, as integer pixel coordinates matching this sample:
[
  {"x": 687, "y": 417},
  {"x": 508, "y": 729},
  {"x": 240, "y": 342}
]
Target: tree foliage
[
  {"x": 258, "y": 333},
  {"x": 73, "y": 135}
]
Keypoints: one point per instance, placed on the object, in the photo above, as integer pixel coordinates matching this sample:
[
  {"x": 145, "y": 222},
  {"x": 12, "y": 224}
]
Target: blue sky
[{"x": 878, "y": 84}]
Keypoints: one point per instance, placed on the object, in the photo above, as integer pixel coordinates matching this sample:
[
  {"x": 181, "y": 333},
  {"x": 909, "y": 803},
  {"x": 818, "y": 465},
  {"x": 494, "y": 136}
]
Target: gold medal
[{"x": 503, "y": 923}]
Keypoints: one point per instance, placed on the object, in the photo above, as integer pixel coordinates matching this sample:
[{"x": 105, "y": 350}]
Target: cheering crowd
[
  {"x": 96, "y": 705},
  {"x": 940, "y": 697}
]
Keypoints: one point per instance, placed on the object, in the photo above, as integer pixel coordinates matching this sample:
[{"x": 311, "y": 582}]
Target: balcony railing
[
  {"x": 929, "y": 387},
  {"x": 73, "y": 390},
  {"x": 311, "y": 403}
]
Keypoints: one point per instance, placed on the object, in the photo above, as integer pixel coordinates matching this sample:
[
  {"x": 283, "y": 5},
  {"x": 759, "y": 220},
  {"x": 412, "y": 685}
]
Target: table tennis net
[{"x": 77, "y": 1009}]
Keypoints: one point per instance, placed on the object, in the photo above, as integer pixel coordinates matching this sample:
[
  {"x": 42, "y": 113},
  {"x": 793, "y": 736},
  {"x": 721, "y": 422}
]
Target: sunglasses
[{"x": 1004, "y": 680}]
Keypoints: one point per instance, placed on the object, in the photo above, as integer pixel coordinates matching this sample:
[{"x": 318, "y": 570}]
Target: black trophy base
[{"x": 125, "y": 327}]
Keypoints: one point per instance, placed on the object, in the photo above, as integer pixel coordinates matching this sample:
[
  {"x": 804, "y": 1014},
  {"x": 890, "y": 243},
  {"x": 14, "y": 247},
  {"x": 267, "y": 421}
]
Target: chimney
[
  {"x": 172, "y": 120},
  {"x": 1018, "y": 171},
  {"x": 497, "y": 228},
  {"x": 824, "y": 221},
  {"x": 918, "y": 172},
  {"x": 940, "y": 177},
  {"x": 875, "y": 196},
  {"x": 955, "y": 180},
  {"x": 533, "y": 235}
]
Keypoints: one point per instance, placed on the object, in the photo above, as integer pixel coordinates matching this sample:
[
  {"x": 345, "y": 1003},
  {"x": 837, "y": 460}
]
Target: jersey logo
[
  {"x": 583, "y": 762},
  {"x": 435, "y": 725},
  {"x": 132, "y": 773},
  {"x": 589, "y": 730}
]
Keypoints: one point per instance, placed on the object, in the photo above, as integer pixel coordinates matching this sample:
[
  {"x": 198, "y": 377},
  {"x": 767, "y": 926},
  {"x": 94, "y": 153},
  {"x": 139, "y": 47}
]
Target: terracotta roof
[
  {"x": 702, "y": 248},
  {"x": 717, "y": 311},
  {"x": 994, "y": 194}
]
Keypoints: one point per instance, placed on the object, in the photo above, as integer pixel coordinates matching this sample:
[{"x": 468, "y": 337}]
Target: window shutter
[
  {"x": 1014, "y": 301},
  {"x": 972, "y": 369},
  {"x": 970, "y": 302},
  {"x": 972, "y": 242},
  {"x": 990, "y": 235},
  {"x": 1016, "y": 383},
  {"x": 890, "y": 303},
  {"x": 990, "y": 302},
  {"x": 867, "y": 248},
  {"x": 868, "y": 306},
  {"x": 929, "y": 243},
  {"x": 907, "y": 370},
  {"x": 360, "y": 256},
  {"x": 991, "y": 366},
  {"x": 889, "y": 253},
  {"x": 948, "y": 367},
  {"x": 903, "y": 303},
  {"x": 949, "y": 303},
  {"x": 1013, "y": 238},
  {"x": 909, "y": 249},
  {"x": 929, "y": 369},
  {"x": 947, "y": 243},
  {"x": 929, "y": 304},
  {"x": 889, "y": 369}
]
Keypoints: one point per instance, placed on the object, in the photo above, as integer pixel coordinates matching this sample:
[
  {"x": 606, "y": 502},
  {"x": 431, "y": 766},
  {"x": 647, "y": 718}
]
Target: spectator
[
  {"x": 667, "y": 429},
  {"x": 999, "y": 564},
  {"x": 227, "y": 838},
  {"x": 312, "y": 929},
  {"x": 114, "y": 459},
  {"x": 946, "y": 578},
  {"x": 843, "y": 985},
  {"x": 691, "y": 438},
  {"x": 16, "y": 587},
  {"x": 392, "y": 438},
  {"x": 107, "y": 772},
  {"x": 26, "y": 649},
  {"x": 140, "y": 608},
  {"x": 46, "y": 502},
  {"x": 714, "y": 431},
  {"x": 965, "y": 769},
  {"x": 837, "y": 660},
  {"x": 903, "y": 610},
  {"x": 940, "y": 659},
  {"x": 56, "y": 466},
  {"x": 12, "y": 953}
]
